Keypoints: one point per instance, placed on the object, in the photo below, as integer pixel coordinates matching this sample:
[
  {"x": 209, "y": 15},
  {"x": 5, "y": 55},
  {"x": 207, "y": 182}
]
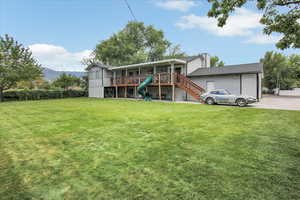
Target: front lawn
[{"x": 117, "y": 149}]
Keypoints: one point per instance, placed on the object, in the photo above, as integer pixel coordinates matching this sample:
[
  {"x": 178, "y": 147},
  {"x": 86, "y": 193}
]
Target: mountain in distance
[{"x": 51, "y": 75}]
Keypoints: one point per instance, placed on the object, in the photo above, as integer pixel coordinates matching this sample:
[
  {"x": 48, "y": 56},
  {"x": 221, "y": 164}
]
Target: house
[{"x": 182, "y": 79}]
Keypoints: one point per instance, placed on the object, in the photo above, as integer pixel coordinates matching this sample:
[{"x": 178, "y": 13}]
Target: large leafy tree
[
  {"x": 280, "y": 16},
  {"x": 133, "y": 44},
  {"x": 277, "y": 71},
  {"x": 16, "y": 64},
  {"x": 66, "y": 81},
  {"x": 216, "y": 62},
  {"x": 294, "y": 64}
]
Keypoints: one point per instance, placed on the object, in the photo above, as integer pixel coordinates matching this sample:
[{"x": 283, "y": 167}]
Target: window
[
  {"x": 150, "y": 71},
  {"x": 220, "y": 92},
  {"x": 162, "y": 69},
  {"x": 178, "y": 70}
]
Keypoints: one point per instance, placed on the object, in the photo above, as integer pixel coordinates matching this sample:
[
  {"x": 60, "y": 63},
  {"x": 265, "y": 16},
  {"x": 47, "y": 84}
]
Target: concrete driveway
[{"x": 278, "y": 102}]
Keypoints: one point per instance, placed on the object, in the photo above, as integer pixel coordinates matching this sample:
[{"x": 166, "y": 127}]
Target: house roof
[
  {"x": 190, "y": 58},
  {"x": 176, "y": 61},
  {"x": 229, "y": 69},
  {"x": 100, "y": 65}
]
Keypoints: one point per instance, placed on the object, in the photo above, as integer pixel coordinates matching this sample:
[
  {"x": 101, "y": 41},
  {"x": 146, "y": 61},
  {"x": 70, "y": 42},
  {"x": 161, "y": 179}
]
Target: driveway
[{"x": 278, "y": 102}]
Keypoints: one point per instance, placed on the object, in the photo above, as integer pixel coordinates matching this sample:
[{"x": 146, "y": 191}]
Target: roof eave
[
  {"x": 232, "y": 73},
  {"x": 169, "y": 61}
]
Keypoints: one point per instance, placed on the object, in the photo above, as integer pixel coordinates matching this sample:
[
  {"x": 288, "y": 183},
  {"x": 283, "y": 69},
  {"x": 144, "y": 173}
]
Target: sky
[{"x": 60, "y": 33}]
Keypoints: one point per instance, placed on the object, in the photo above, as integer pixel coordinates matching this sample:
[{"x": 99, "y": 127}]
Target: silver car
[{"x": 223, "y": 96}]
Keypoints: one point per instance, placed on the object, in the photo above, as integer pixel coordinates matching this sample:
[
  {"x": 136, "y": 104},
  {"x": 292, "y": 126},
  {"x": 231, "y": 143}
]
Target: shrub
[{"x": 23, "y": 95}]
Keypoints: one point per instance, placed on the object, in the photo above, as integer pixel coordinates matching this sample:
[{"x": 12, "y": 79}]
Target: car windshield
[
  {"x": 223, "y": 92},
  {"x": 220, "y": 92}
]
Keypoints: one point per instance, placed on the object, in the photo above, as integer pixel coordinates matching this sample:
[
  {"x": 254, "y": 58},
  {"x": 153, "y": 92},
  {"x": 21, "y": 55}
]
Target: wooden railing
[
  {"x": 127, "y": 80},
  {"x": 188, "y": 85}
]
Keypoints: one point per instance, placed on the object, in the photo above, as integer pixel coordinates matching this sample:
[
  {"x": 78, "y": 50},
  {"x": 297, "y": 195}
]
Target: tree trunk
[
  {"x": 278, "y": 84},
  {"x": 1, "y": 95}
]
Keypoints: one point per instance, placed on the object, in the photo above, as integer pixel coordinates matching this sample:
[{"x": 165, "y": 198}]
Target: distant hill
[{"x": 51, "y": 75}]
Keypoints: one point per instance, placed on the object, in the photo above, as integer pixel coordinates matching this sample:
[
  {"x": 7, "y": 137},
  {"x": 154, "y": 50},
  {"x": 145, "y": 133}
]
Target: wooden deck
[{"x": 160, "y": 79}]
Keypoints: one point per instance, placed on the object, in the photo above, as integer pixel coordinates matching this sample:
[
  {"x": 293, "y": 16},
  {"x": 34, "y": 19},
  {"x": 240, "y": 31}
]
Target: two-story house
[{"x": 174, "y": 79}]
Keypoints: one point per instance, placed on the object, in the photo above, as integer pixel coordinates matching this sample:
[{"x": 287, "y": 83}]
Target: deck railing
[{"x": 127, "y": 80}]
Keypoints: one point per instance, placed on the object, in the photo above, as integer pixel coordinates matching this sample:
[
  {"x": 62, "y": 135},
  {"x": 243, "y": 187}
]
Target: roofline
[
  {"x": 149, "y": 64},
  {"x": 228, "y": 73},
  {"x": 91, "y": 66},
  {"x": 243, "y": 64}
]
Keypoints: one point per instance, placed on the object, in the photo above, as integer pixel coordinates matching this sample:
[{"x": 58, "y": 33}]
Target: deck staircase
[{"x": 189, "y": 86}]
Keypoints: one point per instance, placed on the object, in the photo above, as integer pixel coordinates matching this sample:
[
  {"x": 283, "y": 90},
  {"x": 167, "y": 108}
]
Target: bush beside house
[{"x": 24, "y": 95}]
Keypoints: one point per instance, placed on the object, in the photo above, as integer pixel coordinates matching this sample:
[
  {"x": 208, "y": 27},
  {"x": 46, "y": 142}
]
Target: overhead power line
[{"x": 131, "y": 11}]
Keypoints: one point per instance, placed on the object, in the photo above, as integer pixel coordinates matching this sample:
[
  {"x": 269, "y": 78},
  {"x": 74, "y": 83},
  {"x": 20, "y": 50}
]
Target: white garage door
[{"x": 249, "y": 85}]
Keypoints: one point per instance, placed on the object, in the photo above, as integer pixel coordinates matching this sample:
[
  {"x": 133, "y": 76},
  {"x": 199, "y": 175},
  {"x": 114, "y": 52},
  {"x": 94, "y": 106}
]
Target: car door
[{"x": 222, "y": 97}]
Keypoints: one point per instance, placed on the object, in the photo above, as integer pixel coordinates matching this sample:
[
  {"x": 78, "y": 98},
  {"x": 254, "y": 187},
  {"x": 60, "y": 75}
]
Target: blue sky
[{"x": 62, "y": 32}]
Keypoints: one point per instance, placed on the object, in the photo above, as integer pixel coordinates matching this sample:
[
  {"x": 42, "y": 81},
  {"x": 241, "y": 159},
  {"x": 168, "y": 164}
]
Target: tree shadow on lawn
[{"x": 11, "y": 186}]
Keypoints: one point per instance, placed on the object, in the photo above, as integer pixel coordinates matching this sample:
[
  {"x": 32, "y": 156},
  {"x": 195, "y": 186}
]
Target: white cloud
[
  {"x": 58, "y": 58},
  {"x": 181, "y": 5},
  {"x": 263, "y": 39},
  {"x": 240, "y": 24}
]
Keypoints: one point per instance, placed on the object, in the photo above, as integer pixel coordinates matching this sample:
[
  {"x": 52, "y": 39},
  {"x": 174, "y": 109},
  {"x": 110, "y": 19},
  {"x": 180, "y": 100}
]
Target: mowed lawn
[{"x": 120, "y": 149}]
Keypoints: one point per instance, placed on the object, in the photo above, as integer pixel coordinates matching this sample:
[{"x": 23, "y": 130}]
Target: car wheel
[
  {"x": 210, "y": 101},
  {"x": 241, "y": 102}
]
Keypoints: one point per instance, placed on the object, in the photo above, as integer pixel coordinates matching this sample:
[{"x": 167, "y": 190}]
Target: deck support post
[
  {"x": 172, "y": 82},
  {"x": 159, "y": 87},
  {"x": 135, "y": 89},
  {"x": 172, "y": 72},
  {"x": 173, "y": 92},
  {"x": 125, "y": 95},
  {"x": 139, "y": 75},
  {"x": 115, "y": 81},
  {"x": 117, "y": 96}
]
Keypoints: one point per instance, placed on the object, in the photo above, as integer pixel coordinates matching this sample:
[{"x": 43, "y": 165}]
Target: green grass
[{"x": 117, "y": 149}]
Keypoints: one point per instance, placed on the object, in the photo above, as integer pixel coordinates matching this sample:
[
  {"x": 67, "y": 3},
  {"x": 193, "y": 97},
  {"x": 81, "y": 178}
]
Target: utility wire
[{"x": 131, "y": 11}]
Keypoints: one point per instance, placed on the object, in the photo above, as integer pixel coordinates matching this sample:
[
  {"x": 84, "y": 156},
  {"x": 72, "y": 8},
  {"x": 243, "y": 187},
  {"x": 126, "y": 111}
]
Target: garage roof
[{"x": 229, "y": 69}]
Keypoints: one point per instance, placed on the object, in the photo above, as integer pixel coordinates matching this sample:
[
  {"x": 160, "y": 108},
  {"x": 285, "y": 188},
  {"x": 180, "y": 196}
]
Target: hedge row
[{"x": 23, "y": 95}]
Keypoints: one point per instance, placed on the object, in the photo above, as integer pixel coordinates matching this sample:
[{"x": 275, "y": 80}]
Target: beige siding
[
  {"x": 98, "y": 79},
  {"x": 193, "y": 65},
  {"x": 107, "y": 75},
  {"x": 229, "y": 82}
]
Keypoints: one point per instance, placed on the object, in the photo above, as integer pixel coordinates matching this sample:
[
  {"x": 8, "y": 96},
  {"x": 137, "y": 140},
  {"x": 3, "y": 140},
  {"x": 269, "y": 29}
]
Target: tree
[
  {"x": 66, "y": 81},
  {"x": 174, "y": 52},
  {"x": 281, "y": 16},
  {"x": 133, "y": 44},
  {"x": 294, "y": 63},
  {"x": 277, "y": 73},
  {"x": 84, "y": 82},
  {"x": 16, "y": 64},
  {"x": 216, "y": 62}
]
